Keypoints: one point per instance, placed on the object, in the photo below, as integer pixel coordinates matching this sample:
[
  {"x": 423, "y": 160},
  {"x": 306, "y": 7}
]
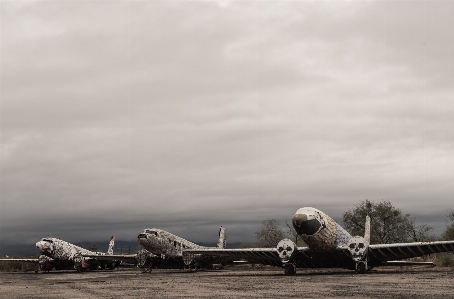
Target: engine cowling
[
  {"x": 358, "y": 248},
  {"x": 286, "y": 249},
  {"x": 143, "y": 258},
  {"x": 45, "y": 263},
  {"x": 80, "y": 263}
]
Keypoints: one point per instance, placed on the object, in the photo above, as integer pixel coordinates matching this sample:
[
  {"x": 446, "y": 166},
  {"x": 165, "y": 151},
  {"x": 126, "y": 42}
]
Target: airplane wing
[
  {"x": 398, "y": 251},
  {"x": 127, "y": 258},
  {"x": 305, "y": 257},
  {"x": 34, "y": 261},
  {"x": 265, "y": 255}
]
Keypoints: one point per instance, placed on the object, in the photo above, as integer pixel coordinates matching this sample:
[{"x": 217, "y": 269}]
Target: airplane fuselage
[
  {"x": 160, "y": 242},
  {"x": 59, "y": 249},
  {"x": 164, "y": 249},
  {"x": 56, "y": 252}
]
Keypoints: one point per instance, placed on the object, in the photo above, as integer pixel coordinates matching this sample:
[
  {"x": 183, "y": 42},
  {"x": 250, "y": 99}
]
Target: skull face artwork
[
  {"x": 358, "y": 247},
  {"x": 286, "y": 249}
]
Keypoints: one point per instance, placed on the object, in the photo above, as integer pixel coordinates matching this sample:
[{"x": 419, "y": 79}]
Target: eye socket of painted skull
[{"x": 280, "y": 249}]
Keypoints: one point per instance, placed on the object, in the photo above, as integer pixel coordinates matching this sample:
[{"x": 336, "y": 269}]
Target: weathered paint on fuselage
[
  {"x": 160, "y": 242},
  {"x": 59, "y": 252},
  {"x": 319, "y": 231},
  {"x": 59, "y": 249},
  {"x": 164, "y": 249}
]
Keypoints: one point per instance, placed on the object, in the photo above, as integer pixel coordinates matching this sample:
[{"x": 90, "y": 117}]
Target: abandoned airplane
[
  {"x": 61, "y": 255},
  {"x": 161, "y": 249},
  {"x": 329, "y": 245}
]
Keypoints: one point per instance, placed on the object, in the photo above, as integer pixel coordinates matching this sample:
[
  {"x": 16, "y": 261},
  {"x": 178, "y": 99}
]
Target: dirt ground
[{"x": 410, "y": 282}]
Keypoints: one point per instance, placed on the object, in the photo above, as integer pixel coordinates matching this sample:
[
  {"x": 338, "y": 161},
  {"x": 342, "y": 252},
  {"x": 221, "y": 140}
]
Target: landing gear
[
  {"x": 289, "y": 269},
  {"x": 361, "y": 267},
  {"x": 287, "y": 250},
  {"x": 147, "y": 270}
]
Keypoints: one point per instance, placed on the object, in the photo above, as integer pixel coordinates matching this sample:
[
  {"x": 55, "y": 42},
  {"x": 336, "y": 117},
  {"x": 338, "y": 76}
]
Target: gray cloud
[{"x": 116, "y": 116}]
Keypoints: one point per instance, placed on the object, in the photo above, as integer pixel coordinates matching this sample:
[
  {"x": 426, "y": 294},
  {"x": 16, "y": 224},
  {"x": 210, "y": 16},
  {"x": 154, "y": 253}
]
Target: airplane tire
[
  {"x": 361, "y": 268},
  {"x": 289, "y": 270}
]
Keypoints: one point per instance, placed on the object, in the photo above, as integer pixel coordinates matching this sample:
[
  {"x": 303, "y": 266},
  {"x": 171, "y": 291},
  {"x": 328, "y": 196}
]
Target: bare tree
[
  {"x": 293, "y": 235},
  {"x": 448, "y": 234},
  {"x": 421, "y": 233},
  {"x": 270, "y": 233},
  {"x": 92, "y": 247}
]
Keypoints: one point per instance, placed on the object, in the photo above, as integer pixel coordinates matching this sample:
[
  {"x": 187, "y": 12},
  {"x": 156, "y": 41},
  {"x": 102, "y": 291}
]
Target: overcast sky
[{"x": 188, "y": 115}]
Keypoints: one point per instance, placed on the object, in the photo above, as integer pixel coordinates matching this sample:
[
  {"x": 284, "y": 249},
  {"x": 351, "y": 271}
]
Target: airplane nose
[
  {"x": 40, "y": 247},
  {"x": 304, "y": 225},
  {"x": 298, "y": 219}
]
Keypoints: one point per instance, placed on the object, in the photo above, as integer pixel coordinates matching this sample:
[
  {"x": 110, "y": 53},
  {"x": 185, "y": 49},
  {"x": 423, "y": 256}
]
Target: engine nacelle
[
  {"x": 143, "y": 258},
  {"x": 358, "y": 248},
  {"x": 80, "y": 263},
  {"x": 45, "y": 263},
  {"x": 286, "y": 249}
]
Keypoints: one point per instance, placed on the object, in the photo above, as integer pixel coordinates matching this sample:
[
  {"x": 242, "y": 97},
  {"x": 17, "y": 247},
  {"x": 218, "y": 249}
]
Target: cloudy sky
[{"x": 188, "y": 115}]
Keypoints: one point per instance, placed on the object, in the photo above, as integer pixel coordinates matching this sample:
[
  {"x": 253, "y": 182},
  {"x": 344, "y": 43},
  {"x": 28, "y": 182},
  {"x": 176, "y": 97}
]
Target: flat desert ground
[{"x": 408, "y": 282}]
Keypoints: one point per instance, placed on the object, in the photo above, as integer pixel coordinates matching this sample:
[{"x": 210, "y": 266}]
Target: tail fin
[
  {"x": 221, "y": 241},
  {"x": 111, "y": 246},
  {"x": 367, "y": 229}
]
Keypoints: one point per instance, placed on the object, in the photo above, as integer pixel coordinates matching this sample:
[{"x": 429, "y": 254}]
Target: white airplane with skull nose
[
  {"x": 61, "y": 255},
  {"x": 329, "y": 246}
]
